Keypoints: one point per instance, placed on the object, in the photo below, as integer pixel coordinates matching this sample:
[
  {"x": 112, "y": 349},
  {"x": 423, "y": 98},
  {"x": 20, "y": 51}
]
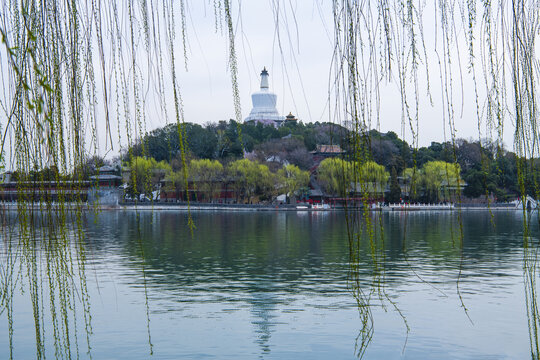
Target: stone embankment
[
  {"x": 148, "y": 205},
  {"x": 203, "y": 206}
]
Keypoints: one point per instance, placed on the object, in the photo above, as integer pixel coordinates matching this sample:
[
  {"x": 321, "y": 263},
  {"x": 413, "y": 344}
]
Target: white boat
[{"x": 320, "y": 207}]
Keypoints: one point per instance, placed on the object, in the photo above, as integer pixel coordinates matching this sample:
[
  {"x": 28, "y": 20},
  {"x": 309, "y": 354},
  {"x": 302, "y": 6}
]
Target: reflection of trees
[
  {"x": 229, "y": 253},
  {"x": 264, "y": 259},
  {"x": 282, "y": 246}
]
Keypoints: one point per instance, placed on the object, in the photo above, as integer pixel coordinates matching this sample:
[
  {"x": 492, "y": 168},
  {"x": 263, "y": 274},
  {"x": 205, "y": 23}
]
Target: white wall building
[{"x": 264, "y": 105}]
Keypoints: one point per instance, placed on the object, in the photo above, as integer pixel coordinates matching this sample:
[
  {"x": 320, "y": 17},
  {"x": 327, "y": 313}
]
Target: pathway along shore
[{"x": 160, "y": 206}]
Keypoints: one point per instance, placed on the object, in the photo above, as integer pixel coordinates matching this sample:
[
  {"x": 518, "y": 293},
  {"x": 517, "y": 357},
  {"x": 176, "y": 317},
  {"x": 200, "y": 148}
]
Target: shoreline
[{"x": 156, "y": 206}]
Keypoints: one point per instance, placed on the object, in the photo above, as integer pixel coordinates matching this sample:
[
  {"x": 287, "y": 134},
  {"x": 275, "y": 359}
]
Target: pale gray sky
[
  {"x": 294, "y": 39},
  {"x": 299, "y": 70}
]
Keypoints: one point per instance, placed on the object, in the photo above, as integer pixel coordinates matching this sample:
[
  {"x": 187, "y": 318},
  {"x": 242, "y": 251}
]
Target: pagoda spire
[
  {"x": 264, "y": 105},
  {"x": 264, "y": 80}
]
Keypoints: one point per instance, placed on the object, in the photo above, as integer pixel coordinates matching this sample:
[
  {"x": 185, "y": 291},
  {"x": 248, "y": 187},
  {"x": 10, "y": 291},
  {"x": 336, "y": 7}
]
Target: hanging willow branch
[{"x": 59, "y": 98}]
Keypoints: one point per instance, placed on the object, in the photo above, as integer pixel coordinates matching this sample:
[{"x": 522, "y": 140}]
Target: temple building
[
  {"x": 264, "y": 105},
  {"x": 290, "y": 118}
]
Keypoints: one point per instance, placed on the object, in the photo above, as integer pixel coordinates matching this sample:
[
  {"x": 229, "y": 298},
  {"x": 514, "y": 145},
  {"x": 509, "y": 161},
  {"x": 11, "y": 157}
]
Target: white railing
[{"x": 421, "y": 206}]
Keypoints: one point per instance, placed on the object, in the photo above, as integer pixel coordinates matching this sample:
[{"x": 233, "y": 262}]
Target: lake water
[{"x": 274, "y": 285}]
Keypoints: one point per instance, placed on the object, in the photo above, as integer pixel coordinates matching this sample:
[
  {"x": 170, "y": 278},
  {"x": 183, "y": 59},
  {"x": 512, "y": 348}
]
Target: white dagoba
[{"x": 264, "y": 105}]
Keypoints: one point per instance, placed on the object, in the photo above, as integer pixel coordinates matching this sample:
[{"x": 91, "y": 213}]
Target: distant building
[
  {"x": 35, "y": 190},
  {"x": 5, "y": 177},
  {"x": 290, "y": 118},
  {"x": 106, "y": 177},
  {"x": 326, "y": 151},
  {"x": 264, "y": 105},
  {"x": 105, "y": 189}
]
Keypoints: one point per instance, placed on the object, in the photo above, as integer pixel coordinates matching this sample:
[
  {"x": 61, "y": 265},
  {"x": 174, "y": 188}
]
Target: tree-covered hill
[{"x": 485, "y": 169}]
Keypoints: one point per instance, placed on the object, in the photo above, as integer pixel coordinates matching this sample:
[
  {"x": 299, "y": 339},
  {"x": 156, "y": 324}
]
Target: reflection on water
[{"x": 274, "y": 285}]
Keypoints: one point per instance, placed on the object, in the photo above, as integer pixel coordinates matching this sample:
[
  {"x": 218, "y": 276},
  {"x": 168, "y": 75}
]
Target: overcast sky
[
  {"x": 299, "y": 71},
  {"x": 297, "y": 50}
]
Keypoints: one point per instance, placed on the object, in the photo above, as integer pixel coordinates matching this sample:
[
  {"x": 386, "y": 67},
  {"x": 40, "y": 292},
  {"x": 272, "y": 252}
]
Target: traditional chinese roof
[
  {"x": 290, "y": 117},
  {"x": 328, "y": 149},
  {"x": 105, "y": 177},
  {"x": 106, "y": 169}
]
